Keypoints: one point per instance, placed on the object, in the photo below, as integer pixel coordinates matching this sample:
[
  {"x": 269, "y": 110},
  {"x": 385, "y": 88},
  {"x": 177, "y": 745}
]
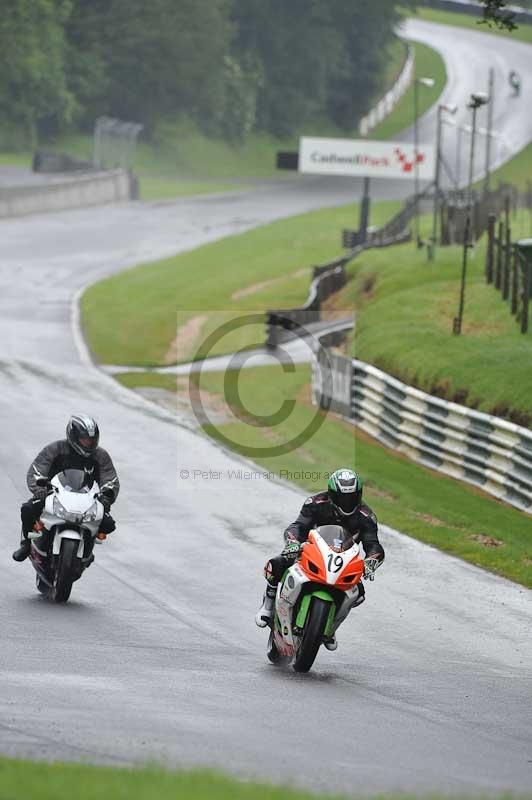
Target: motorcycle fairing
[{"x": 342, "y": 576}]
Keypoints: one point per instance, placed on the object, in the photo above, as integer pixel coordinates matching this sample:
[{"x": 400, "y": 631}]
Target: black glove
[
  {"x": 291, "y": 549},
  {"x": 105, "y": 500},
  {"x": 40, "y": 492}
]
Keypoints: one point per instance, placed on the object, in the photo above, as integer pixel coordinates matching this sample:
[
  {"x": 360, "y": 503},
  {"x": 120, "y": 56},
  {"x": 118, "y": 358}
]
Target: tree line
[{"x": 233, "y": 66}]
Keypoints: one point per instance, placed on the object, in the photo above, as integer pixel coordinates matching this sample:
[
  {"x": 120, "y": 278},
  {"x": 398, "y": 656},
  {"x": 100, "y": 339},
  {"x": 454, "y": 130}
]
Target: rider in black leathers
[
  {"x": 340, "y": 505},
  {"x": 79, "y": 450}
]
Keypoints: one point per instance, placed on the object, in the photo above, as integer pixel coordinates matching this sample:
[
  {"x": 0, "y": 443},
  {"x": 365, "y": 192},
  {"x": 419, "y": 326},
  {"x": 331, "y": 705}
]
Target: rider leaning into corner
[
  {"x": 79, "y": 450},
  {"x": 341, "y": 505}
]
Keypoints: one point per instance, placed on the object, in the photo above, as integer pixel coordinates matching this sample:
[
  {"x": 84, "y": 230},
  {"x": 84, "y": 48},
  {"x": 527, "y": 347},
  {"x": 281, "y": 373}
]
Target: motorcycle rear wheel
[
  {"x": 313, "y": 636},
  {"x": 64, "y": 579}
]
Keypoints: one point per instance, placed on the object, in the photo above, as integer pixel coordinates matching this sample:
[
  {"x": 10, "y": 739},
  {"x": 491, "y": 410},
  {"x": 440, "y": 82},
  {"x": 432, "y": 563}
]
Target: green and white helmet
[{"x": 345, "y": 491}]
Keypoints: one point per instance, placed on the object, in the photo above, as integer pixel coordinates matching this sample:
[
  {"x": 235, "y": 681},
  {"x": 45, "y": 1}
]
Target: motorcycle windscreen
[
  {"x": 75, "y": 480},
  {"x": 336, "y": 536}
]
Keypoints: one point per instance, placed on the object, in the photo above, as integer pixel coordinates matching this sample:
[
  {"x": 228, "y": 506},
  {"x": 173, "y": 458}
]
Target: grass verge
[
  {"x": 440, "y": 511},
  {"x": 517, "y": 171},
  {"x": 523, "y": 32},
  {"x": 405, "y": 308},
  {"x": 428, "y": 64},
  {"x": 20, "y": 780},
  {"x": 131, "y": 318}
]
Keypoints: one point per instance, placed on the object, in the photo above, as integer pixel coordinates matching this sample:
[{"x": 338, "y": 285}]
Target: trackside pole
[{"x": 364, "y": 212}]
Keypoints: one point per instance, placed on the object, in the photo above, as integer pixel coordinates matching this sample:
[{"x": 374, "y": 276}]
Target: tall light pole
[
  {"x": 491, "y": 99},
  {"x": 441, "y": 109},
  {"x": 478, "y": 99},
  {"x": 417, "y": 82}
]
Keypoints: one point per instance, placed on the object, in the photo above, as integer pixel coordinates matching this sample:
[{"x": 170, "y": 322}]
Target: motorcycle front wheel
[
  {"x": 65, "y": 571},
  {"x": 313, "y": 635}
]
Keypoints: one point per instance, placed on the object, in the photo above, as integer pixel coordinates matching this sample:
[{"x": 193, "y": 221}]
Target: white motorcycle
[
  {"x": 315, "y": 596},
  {"x": 62, "y": 541}
]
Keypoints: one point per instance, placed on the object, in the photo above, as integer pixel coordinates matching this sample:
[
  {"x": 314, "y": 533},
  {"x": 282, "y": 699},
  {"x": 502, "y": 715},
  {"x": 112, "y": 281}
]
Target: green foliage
[
  {"x": 231, "y": 66},
  {"x": 34, "y": 95},
  {"x": 164, "y": 56},
  {"x": 241, "y": 84},
  {"x": 494, "y": 13},
  {"x": 318, "y": 58}
]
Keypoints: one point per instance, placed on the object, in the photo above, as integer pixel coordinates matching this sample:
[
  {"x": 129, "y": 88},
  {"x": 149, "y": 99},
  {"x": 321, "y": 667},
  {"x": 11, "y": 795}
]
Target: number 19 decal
[{"x": 335, "y": 561}]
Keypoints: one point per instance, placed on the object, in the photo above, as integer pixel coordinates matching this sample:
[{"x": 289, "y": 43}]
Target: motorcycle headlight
[
  {"x": 59, "y": 509},
  {"x": 92, "y": 513}
]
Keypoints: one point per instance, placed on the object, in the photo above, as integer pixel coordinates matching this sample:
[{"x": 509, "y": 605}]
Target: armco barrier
[
  {"x": 477, "y": 448},
  {"x": 329, "y": 278},
  {"x": 387, "y": 103},
  {"x": 326, "y": 280},
  {"x": 112, "y": 186}
]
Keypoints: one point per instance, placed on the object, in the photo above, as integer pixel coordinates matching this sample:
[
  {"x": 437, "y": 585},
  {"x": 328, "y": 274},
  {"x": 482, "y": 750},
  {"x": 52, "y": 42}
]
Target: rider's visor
[
  {"x": 88, "y": 442},
  {"x": 347, "y": 502}
]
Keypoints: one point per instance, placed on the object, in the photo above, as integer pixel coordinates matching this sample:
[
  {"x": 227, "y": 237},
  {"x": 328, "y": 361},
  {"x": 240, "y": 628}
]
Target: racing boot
[
  {"x": 24, "y": 550},
  {"x": 264, "y": 615},
  {"x": 331, "y": 643}
]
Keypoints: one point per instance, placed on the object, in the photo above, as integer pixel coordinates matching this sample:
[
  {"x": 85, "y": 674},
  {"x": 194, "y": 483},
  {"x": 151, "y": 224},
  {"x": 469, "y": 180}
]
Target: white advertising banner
[{"x": 365, "y": 158}]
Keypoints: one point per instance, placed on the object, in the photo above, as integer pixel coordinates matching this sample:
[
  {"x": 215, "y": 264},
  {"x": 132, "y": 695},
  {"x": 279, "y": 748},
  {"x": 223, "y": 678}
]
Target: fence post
[
  {"x": 526, "y": 297},
  {"x": 489, "y": 253},
  {"x": 529, "y": 201},
  {"x": 507, "y": 206},
  {"x": 498, "y": 242},
  {"x": 507, "y": 257},
  {"x": 515, "y": 281},
  {"x": 525, "y": 253}
]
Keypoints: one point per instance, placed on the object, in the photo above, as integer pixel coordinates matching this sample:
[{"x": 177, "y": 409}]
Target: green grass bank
[
  {"x": 131, "y": 318},
  {"x": 523, "y": 33},
  {"x": 405, "y": 308},
  {"x": 22, "y": 780},
  {"x": 405, "y": 305}
]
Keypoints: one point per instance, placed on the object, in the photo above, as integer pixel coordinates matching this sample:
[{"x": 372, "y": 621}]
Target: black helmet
[
  {"x": 345, "y": 491},
  {"x": 83, "y": 434}
]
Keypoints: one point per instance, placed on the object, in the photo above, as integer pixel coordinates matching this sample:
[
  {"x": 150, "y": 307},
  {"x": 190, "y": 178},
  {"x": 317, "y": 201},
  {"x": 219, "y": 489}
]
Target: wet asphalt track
[{"x": 157, "y": 657}]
